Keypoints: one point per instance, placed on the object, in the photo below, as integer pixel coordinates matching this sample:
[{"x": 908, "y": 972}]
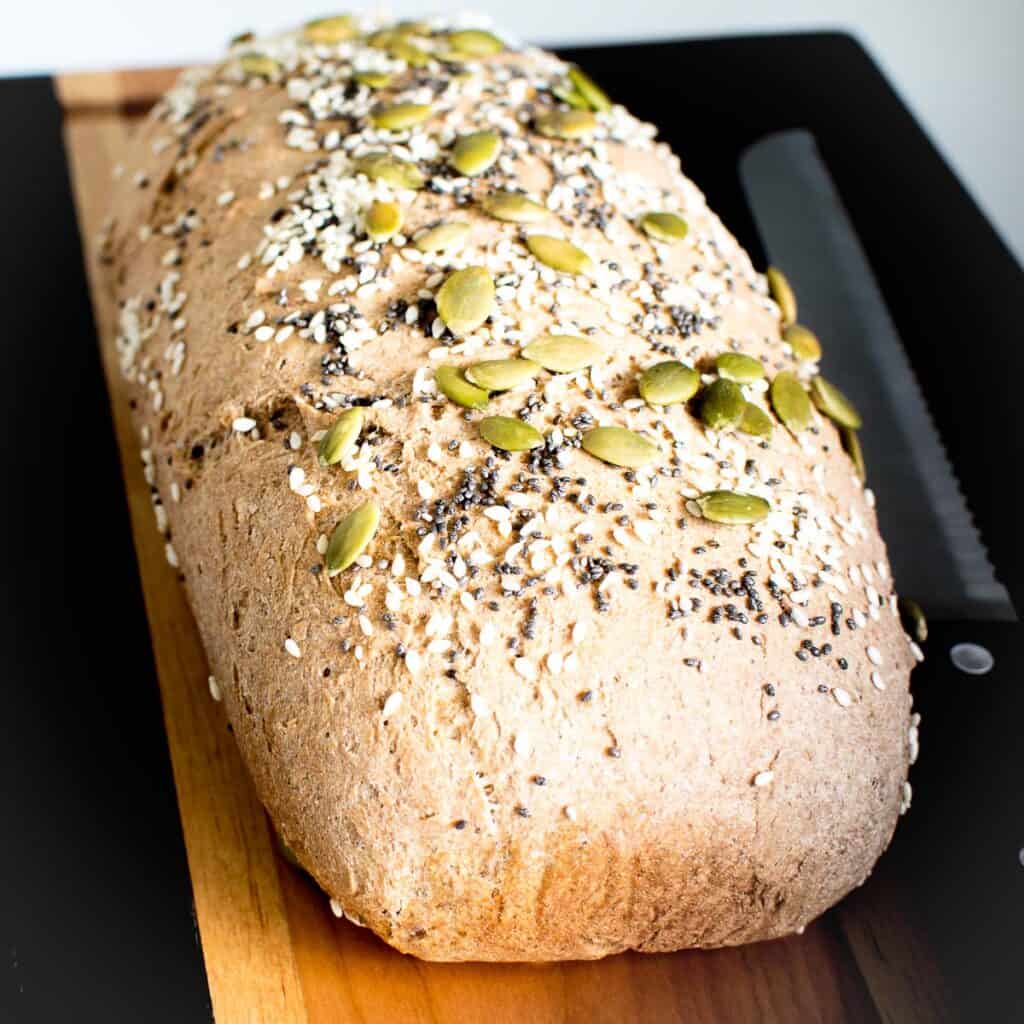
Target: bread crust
[{"x": 582, "y": 760}]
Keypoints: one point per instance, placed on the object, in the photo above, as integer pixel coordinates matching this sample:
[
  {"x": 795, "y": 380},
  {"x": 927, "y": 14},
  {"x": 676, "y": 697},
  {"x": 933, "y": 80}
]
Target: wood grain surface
[{"x": 273, "y": 950}]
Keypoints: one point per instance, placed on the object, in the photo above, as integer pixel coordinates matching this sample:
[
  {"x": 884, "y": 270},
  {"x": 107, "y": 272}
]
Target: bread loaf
[{"x": 528, "y": 660}]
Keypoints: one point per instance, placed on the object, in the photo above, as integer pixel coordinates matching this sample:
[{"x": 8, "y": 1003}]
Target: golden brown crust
[{"x": 590, "y": 720}]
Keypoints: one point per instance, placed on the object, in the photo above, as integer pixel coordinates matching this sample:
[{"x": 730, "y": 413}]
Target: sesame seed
[
  {"x": 525, "y": 668},
  {"x": 906, "y": 798}
]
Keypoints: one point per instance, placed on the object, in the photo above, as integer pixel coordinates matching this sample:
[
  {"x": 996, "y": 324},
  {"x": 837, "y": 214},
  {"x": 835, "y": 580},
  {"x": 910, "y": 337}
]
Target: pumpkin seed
[
  {"x": 567, "y": 93},
  {"x": 454, "y": 385},
  {"x": 383, "y": 38},
  {"x": 389, "y": 169},
  {"x": 782, "y": 293},
  {"x": 723, "y": 405},
  {"x": 451, "y": 235},
  {"x": 668, "y": 383},
  {"x": 330, "y": 30},
  {"x": 351, "y": 537},
  {"x": 414, "y": 56},
  {"x": 755, "y": 421},
  {"x": 401, "y": 116},
  {"x": 620, "y": 447},
  {"x": 372, "y": 79},
  {"x": 666, "y": 227},
  {"x": 740, "y": 368},
  {"x": 509, "y": 433},
  {"x": 790, "y": 402},
  {"x": 474, "y": 42},
  {"x": 851, "y": 445},
  {"x": 732, "y": 507},
  {"x": 465, "y": 300},
  {"x": 383, "y": 220},
  {"x": 411, "y": 27},
  {"x": 834, "y": 404},
  {"x": 566, "y": 124},
  {"x": 559, "y": 254},
  {"x": 341, "y": 437},
  {"x": 803, "y": 342},
  {"x": 259, "y": 65},
  {"x": 473, "y": 154},
  {"x": 594, "y": 95},
  {"x": 513, "y": 207},
  {"x": 501, "y": 374},
  {"x": 913, "y": 619},
  {"x": 563, "y": 353},
  {"x": 397, "y": 43}
]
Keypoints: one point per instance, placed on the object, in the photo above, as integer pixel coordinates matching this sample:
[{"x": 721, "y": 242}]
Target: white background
[{"x": 958, "y": 63}]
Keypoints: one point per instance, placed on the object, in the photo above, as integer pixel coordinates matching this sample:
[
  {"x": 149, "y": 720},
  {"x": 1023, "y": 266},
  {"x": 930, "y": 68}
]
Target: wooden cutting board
[{"x": 273, "y": 950}]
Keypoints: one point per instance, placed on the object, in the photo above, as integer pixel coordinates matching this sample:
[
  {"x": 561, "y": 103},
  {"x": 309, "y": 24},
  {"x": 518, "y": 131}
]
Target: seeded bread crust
[{"x": 589, "y": 720}]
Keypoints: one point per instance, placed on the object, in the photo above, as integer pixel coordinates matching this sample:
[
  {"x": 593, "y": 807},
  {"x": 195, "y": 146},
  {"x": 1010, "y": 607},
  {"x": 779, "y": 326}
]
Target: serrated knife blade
[{"x": 936, "y": 552}]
